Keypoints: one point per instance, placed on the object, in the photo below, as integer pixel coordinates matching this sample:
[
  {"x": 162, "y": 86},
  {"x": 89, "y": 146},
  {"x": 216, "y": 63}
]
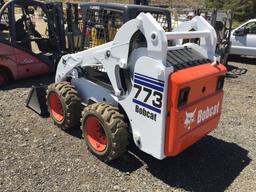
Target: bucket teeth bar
[{"x": 37, "y": 100}]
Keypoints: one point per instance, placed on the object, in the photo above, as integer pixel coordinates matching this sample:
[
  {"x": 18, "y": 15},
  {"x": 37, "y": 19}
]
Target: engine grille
[{"x": 185, "y": 58}]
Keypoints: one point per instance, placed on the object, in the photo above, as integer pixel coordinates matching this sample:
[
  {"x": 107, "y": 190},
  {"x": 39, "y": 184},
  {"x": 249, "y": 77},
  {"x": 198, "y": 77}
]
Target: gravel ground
[{"x": 37, "y": 156}]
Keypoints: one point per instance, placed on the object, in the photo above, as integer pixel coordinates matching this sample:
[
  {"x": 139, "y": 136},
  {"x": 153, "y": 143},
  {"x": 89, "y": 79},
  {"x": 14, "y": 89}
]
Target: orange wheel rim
[
  {"x": 95, "y": 134},
  {"x": 56, "y": 107}
]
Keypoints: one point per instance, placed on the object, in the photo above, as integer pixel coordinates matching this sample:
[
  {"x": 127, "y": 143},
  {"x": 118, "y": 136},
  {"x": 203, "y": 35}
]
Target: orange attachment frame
[{"x": 186, "y": 123}]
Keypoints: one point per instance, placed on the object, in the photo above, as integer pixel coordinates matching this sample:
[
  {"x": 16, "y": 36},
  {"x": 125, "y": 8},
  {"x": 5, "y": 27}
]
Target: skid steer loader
[{"x": 165, "y": 97}]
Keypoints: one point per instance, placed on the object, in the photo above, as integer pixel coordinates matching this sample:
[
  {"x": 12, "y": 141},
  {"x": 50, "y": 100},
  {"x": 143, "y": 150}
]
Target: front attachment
[{"x": 37, "y": 100}]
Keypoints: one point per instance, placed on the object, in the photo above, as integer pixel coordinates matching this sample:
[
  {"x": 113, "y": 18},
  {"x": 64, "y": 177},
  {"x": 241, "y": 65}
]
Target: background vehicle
[
  {"x": 33, "y": 34},
  {"x": 25, "y": 49},
  {"x": 243, "y": 39}
]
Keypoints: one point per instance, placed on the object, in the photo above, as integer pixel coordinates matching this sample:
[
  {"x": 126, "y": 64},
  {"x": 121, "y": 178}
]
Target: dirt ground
[{"x": 37, "y": 156}]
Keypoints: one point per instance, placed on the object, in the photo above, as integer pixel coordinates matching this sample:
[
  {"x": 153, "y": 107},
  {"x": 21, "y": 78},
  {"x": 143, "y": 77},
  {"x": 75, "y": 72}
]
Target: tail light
[
  {"x": 183, "y": 96},
  {"x": 220, "y": 83}
]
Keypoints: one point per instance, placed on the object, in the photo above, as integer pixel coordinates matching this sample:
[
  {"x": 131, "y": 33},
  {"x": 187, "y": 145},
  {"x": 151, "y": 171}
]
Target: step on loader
[{"x": 145, "y": 84}]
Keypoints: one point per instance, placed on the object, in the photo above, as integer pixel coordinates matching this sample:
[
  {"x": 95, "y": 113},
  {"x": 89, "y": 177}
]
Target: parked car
[{"x": 243, "y": 39}]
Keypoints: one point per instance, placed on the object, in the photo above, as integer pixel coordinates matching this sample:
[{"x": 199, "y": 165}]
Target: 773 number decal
[{"x": 157, "y": 96}]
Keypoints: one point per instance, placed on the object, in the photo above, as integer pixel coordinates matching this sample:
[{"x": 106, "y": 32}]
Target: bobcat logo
[{"x": 190, "y": 118}]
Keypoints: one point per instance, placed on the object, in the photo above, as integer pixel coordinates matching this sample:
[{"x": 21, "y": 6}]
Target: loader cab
[
  {"x": 32, "y": 43},
  {"x": 101, "y": 21}
]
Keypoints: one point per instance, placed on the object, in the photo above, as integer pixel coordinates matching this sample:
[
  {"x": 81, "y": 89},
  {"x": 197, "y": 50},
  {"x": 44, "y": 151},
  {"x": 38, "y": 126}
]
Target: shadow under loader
[{"x": 211, "y": 164}]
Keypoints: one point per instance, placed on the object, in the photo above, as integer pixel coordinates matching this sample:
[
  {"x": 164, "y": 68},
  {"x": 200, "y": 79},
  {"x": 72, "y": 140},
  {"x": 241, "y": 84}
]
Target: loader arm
[
  {"x": 198, "y": 27},
  {"x": 114, "y": 55}
]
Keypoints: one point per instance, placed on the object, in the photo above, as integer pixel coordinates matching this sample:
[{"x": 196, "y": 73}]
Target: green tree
[
  {"x": 218, "y": 4},
  {"x": 242, "y": 9}
]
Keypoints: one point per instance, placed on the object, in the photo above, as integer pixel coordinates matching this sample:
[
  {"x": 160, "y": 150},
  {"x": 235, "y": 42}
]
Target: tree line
[{"x": 242, "y": 9}]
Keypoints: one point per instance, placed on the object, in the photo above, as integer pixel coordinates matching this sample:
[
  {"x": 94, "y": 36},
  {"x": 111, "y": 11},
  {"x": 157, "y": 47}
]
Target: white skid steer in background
[{"x": 145, "y": 83}]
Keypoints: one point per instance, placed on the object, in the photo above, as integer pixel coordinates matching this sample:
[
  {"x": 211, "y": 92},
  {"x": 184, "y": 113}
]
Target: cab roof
[{"x": 120, "y": 6}]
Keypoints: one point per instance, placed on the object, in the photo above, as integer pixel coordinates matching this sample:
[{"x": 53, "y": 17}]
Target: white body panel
[
  {"x": 244, "y": 44},
  {"x": 87, "y": 91},
  {"x": 148, "y": 70},
  {"x": 148, "y": 121}
]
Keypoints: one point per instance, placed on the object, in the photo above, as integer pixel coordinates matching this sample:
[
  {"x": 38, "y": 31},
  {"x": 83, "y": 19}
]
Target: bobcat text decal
[
  {"x": 202, "y": 115},
  {"x": 205, "y": 114}
]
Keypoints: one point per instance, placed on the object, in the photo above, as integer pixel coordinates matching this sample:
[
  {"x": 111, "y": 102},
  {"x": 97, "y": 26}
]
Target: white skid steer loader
[{"x": 145, "y": 83}]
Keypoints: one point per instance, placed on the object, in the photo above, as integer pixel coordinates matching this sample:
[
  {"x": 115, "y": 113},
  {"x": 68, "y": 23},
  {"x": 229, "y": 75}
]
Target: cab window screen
[
  {"x": 100, "y": 26},
  {"x": 4, "y": 26}
]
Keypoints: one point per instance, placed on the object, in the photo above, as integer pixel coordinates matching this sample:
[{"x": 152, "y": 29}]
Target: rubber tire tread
[
  {"x": 71, "y": 104},
  {"x": 117, "y": 133}
]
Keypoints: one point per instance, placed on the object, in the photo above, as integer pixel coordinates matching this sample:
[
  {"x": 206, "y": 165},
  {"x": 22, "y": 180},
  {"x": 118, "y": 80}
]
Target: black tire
[
  {"x": 70, "y": 103},
  {"x": 114, "y": 126},
  {"x": 4, "y": 77}
]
